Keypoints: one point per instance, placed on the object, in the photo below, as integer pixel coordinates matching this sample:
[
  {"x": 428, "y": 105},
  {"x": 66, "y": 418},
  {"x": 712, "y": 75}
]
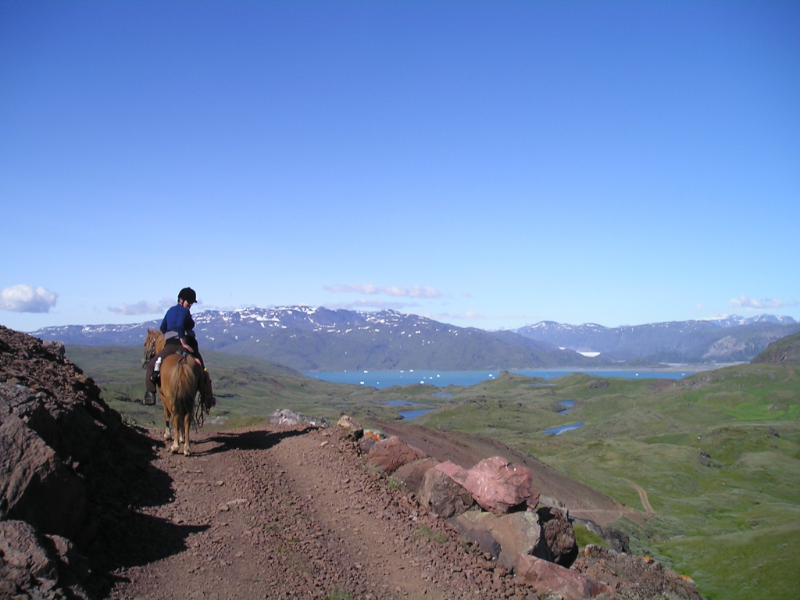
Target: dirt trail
[
  {"x": 279, "y": 513},
  {"x": 643, "y": 497}
]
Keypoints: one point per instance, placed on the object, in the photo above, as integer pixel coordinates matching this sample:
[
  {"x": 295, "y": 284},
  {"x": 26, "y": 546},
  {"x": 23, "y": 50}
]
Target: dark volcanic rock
[
  {"x": 412, "y": 474},
  {"x": 443, "y": 496},
  {"x": 558, "y": 536},
  {"x": 35, "y": 486},
  {"x": 69, "y": 468}
]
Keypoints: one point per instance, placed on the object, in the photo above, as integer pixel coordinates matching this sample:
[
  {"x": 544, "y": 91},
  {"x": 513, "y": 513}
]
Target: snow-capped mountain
[
  {"x": 725, "y": 338},
  {"x": 311, "y": 338}
]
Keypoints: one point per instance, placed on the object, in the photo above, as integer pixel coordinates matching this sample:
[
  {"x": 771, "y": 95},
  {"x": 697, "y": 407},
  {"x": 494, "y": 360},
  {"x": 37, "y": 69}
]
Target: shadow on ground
[{"x": 248, "y": 440}]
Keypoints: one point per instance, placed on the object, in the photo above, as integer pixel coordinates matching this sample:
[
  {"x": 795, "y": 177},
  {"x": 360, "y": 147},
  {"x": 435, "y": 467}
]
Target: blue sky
[{"x": 487, "y": 164}]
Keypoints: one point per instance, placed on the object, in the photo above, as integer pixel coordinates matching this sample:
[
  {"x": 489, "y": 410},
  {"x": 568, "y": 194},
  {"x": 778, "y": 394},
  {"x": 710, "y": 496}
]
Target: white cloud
[
  {"x": 415, "y": 291},
  {"x": 26, "y": 298},
  {"x": 470, "y": 315},
  {"x": 371, "y": 304},
  {"x": 141, "y": 308},
  {"x": 745, "y": 302}
]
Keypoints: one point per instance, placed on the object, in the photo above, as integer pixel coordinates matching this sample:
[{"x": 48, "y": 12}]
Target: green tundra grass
[{"x": 718, "y": 453}]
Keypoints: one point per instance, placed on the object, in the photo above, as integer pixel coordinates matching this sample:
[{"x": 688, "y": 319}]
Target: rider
[{"x": 178, "y": 329}]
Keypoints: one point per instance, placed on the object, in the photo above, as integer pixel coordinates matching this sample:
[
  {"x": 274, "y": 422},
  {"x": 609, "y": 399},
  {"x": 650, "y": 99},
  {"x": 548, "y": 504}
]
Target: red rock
[
  {"x": 496, "y": 484},
  {"x": 547, "y": 577},
  {"x": 390, "y": 454}
]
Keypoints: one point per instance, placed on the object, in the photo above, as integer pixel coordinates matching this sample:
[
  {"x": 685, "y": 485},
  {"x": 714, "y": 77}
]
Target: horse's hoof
[
  {"x": 186, "y": 453},
  {"x": 174, "y": 449}
]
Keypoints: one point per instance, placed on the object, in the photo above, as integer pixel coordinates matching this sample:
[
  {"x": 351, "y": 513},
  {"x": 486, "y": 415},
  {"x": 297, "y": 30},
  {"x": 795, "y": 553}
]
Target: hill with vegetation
[
  {"x": 710, "y": 462},
  {"x": 785, "y": 350}
]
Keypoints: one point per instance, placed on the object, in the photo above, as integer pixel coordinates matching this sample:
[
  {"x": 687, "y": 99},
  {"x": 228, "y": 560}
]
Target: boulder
[
  {"x": 558, "y": 538},
  {"x": 496, "y": 484},
  {"x": 35, "y": 486},
  {"x": 549, "y": 578},
  {"x": 440, "y": 494},
  {"x": 392, "y": 453},
  {"x": 412, "y": 474},
  {"x": 351, "y": 426},
  {"x": 514, "y": 533}
]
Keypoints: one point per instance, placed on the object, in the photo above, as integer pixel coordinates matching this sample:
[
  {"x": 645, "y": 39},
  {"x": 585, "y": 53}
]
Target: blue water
[
  {"x": 563, "y": 428},
  {"x": 413, "y": 414},
  {"x": 567, "y": 403},
  {"x": 402, "y": 403},
  {"x": 384, "y": 379}
]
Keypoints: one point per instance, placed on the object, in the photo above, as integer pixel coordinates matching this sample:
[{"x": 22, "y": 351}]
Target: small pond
[
  {"x": 442, "y": 395},
  {"x": 563, "y": 428},
  {"x": 401, "y": 403},
  {"x": 413, "y": 414},
  {"x": 568, "y": 403}
]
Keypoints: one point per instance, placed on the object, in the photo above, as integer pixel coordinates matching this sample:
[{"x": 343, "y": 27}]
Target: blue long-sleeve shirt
[{"x": 179, "y": 320}]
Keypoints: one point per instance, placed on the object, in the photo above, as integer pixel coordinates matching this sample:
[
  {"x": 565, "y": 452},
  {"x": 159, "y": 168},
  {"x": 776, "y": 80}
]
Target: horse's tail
[{"x": 184, "y": 384}]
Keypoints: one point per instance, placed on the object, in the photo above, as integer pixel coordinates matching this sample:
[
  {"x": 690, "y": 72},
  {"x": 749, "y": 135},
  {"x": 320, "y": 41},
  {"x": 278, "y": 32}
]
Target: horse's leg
[
  {"x": 175, "y": 427},
  {"x": 167, "y": 436},
  {"x": 187, "y": 418}
]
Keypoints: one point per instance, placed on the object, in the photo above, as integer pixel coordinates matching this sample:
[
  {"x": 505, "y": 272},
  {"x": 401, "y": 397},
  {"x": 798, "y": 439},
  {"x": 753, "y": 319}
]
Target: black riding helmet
[{"x": 188, "y": 294}]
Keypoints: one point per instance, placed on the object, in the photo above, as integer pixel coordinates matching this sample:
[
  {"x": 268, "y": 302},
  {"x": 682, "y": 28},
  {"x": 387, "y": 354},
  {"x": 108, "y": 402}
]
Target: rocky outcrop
[
  {"x": 634, "y": 576},
  {"x": 69, "y": 471}
]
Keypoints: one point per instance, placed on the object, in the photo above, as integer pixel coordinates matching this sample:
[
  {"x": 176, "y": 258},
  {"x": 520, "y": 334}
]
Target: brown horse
[{"x": 180, "y": 379}]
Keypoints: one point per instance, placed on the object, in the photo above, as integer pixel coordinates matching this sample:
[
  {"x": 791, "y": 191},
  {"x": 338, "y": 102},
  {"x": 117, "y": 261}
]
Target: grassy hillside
[{"x": 717, "y": 453}]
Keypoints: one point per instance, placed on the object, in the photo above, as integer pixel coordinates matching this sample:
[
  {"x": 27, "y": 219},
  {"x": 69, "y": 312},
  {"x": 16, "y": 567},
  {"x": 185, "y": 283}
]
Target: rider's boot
[{"x": 149, "y": 398}]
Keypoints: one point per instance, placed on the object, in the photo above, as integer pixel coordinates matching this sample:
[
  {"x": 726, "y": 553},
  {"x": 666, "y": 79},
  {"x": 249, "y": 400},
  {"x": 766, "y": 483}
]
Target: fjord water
[{"x": 383, "y": 379}]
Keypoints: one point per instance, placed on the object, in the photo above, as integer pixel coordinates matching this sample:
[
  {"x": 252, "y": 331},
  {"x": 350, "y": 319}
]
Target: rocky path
[{"x": 281, "y": 513}]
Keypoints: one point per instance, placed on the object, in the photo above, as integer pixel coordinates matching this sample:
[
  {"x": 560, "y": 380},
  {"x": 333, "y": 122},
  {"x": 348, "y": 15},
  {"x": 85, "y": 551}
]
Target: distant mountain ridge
[
  {"x": 785, "y": 350},
  {"x": 310, "y": 339},
  {"x": 727, "y": 338}
]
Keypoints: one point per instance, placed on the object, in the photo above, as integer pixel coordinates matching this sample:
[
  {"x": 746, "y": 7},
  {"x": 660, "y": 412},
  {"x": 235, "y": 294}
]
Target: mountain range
[
  {"x": 316, "y": 339},
  {"x": 728, "y": 338}
]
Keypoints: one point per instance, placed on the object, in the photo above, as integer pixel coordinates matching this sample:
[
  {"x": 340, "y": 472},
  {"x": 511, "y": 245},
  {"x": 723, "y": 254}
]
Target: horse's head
[{"x": 150, "y": 343}]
